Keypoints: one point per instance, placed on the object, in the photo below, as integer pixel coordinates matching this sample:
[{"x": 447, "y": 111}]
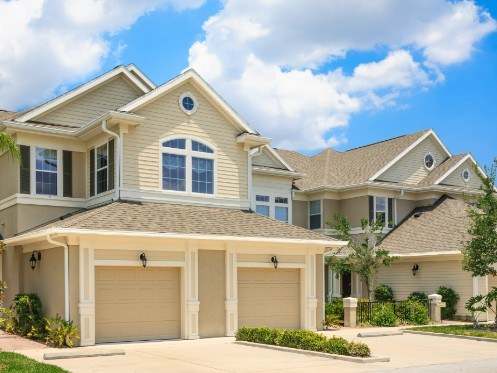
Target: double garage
[{"x": 135, "y": 303}]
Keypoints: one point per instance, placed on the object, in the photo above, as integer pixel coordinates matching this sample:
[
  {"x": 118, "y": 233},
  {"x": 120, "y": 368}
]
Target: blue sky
[{"x": 294, "y": 77}]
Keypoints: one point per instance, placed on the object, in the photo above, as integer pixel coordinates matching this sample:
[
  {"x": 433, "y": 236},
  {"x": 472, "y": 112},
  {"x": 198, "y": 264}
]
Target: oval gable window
[
  {"x": 188, "y": 103},
  {"x": 466, "y": 175},
  {"x": 429, "y": 161}
]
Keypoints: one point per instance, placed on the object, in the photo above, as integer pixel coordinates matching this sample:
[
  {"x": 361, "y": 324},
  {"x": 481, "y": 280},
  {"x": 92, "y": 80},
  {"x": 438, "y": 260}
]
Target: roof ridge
[{"x": 386, "y": 140}]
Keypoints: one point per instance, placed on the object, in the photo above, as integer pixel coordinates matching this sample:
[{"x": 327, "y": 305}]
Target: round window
[
  {"x": 429, "y": 161},
  {"x": 188, "y": 103},
  {"x": 466, "y": 175}
]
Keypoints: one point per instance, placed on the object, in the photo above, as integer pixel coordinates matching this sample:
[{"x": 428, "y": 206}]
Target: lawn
[
  {"x": 12, "y": 362},
  {"x": 484, "y": 330}
]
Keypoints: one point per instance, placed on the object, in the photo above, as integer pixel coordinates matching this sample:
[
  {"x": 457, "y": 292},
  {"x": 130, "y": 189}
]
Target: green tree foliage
[
  {"x": 362, "y": 256},
  {"x": 7, "y": 145},
  {"x": 480, "y": 251}
]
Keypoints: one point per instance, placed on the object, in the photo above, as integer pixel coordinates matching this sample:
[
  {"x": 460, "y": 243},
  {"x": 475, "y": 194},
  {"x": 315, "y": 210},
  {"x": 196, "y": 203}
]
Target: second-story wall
[{"x": 9, "y": 176}]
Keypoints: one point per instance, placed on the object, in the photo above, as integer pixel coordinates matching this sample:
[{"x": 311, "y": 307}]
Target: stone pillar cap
[
  {"x": 350, "y": 302},
  {"x": 435, "y": 297}
]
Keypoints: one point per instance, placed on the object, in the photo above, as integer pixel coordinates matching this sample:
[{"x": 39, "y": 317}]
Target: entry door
[{"x": 346, "y": 284}]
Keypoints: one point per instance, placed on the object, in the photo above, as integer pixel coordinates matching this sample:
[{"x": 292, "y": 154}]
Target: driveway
[{"x": 222, "y": 355}]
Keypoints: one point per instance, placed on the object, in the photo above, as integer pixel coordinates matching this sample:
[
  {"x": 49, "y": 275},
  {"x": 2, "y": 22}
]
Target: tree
[
  {"x": 363, "y": 256},
  {"x": 480, "y": 251},
  {"x": 7, "y": 145}
]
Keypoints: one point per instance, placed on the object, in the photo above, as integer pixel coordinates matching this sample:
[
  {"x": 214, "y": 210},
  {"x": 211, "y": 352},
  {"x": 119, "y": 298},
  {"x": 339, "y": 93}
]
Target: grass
[
  {"x": 484, "y": 330},
  {"x": 12, "y": 362}
]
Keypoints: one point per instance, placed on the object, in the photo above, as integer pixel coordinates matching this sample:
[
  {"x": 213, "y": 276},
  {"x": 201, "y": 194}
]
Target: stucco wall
[
  {"x": 9, "y": 221},
  {"x": 74, "y": 284},
  {"x": 33, "y": 215},
  {"x": 12, "y": 273},
  {"x": 300, "y": 213},
  {"x": 211, "y": 293},
  {"x": 320, "y": 291},
  {"x": 9, "y": 170},
  {"x": 79, "y": 175},
  {"x": 46, "y": 280},
  {"x": 355, "y": 209},
  {"x": 330, "y": 207}
]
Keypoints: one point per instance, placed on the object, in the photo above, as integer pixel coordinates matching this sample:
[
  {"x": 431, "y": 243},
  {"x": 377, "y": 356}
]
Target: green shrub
[
  {"x": 383, "y": 293},
  {"x": 384, "y": 315},
  {"x": 302, "y": 339},
  {"x": 335, "y": 307},
  {"x": 418, "y": 313},
  {"x": 418, "y": 296},
  {"x": 60, "y": 332},
  {"x": 450, "y": 297},
  {"x": 332, "y": 321},
  {"x": 26, "y": 317}
]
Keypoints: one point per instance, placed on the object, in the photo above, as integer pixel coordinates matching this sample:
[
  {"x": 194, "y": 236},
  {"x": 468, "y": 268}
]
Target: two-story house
[{"x": 132, "y": 214}]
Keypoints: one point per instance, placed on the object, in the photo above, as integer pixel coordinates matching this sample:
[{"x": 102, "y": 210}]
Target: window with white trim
[
  {"x": 272, "y": 206},
  {"x": 281, "y": 209},
  {"x": 466, "y": 175},
  {"x": 429, "y": 161},
  {"x": 262, "y": 205},
  {"x": 102, "y": 168},
  {"x": 46, "y": 171},
  {"x": 382, "y": 209},
  {"x": 315, "y": 214},
  {"x": 188, "y": 166}
]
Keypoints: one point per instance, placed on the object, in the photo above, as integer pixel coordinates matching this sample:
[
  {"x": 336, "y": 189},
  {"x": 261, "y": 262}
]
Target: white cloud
[
  {"x": 267, "y": 58},
  {"x": 49, "y": 43}
]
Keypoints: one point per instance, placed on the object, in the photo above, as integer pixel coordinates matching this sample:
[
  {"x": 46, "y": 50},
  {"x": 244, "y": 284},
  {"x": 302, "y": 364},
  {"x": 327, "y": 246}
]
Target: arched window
[{"x": 188, "y": 166}]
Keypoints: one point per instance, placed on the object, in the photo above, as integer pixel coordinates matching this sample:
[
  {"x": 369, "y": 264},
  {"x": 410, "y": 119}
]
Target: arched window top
[
  {"x": 197, "y": 146},
  {"x": 175, "y": 144}
]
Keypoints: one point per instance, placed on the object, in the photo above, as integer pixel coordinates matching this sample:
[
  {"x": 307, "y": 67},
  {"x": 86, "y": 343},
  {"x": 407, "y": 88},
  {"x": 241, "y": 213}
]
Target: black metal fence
[{"x": 367, "y": 310}]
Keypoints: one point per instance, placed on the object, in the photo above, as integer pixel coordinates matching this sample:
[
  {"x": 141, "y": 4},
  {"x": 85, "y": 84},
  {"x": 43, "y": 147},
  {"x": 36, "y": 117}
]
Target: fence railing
[{"x": 366, "y": 310}]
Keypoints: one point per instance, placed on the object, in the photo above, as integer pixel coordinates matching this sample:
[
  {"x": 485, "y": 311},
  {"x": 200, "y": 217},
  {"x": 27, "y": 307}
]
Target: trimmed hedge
[
  {"x": 383, "y": 293},
  {"x": 303, "y": 340}
]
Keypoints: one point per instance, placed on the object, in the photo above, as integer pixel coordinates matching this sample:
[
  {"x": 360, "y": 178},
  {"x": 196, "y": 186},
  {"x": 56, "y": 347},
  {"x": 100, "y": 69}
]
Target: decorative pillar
[
  {"x": 311, "y": 301},
  {"x": 435, "y": 308},
  {"x": 350, "y": 312},
  {"x": 231, "y": 304},
  {"x": 336, "y": 278},
  {"x": 192, "y": 304},
  {"x": 356, "y": 286},
  {"x": 86, "y": 303}
]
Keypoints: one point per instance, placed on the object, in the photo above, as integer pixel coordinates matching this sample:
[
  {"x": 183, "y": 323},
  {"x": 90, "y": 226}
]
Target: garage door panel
[
  {"x": 269, "y": 297},
  {"x": 137, "y": 304}
]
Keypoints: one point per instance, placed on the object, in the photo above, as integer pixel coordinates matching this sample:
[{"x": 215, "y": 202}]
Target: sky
[{"x": 309, "y": 74}]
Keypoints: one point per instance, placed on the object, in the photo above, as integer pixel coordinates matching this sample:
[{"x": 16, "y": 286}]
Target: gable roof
[
  {"x": 192, "y": 75},
  {"x": 60, "y": 100},
  {"x": 444, "y": 228},
  {"x": 145, "y": 79},
  {"x": 466, "y": 156},
  {"x": 442, "y": 169},
  {"x": 355, "y": 166}
]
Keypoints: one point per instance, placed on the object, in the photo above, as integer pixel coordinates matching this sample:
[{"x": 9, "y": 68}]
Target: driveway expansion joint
[{"x": 80, "y": 353}]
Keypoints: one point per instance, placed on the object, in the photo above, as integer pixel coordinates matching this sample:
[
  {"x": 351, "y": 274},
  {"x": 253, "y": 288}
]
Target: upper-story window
[
  {"x": 272, "y": 207},
  {"x": 262, "y": 205},
  {"x": 315, "y": 214},
  {"x": 381, "y": 209},
  {"x": 466, "y": 176},
  {"x": 188, "y": 166},
  {"x": 46, "y": 171},
  {"x": 281, "y": 209},
  {"x": 102, "y": 171},
  {"x": 188, "y": 103},
  {"x": 429, "y": 161}
]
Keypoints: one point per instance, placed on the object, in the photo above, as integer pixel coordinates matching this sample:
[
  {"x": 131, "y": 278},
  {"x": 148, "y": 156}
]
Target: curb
[
  {"x": 378, "y": 334},
  {"x": 481, "y": 339},
  {"x": 80, "y": 353},
  {"x": 352, "y": 359}
]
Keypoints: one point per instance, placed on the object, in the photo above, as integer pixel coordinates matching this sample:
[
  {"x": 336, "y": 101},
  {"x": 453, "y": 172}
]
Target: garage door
[
  {"x": 269, "y": 297},
  {"x": 134, "y": 304}
]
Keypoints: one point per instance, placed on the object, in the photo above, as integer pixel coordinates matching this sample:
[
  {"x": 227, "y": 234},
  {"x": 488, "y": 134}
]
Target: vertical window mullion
[{"x": 189, "y": 168}]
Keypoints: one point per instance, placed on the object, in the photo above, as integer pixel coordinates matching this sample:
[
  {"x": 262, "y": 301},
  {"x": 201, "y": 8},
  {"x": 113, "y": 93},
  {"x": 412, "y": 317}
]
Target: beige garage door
[
  {"x": 269, "y": 297},
  {"x": 134, "y": 304}
]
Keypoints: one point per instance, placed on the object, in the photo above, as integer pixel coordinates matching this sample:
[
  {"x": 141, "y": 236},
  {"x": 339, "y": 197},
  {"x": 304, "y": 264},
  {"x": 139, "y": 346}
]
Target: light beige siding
[
  {"x": 430, "y": 276},
  {"x": 455, "y": 178},
  {"x": 109, "y": 96},
  {"x": 9, "y": 176},
  {"x": 142, "y": 167},
  {"x": 264, "y": 159},
  {"x": 410, "y": 169}
]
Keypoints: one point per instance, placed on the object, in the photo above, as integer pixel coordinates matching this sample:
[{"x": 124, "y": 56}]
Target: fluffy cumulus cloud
[
  {"x": 271, "y": 59},
  {"x": 49, "y": 43}
]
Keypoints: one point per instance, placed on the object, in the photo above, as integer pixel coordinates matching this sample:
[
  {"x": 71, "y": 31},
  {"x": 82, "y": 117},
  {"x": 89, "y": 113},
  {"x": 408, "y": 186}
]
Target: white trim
[
  {"x": 457, "y": 165},
  {"x": 269, "y": 265},
  {"x": 407, "y": 150},
  {"x": 41, "y": 200},
  {"x": 278, "y": 158},
  {"x": 261, "y": 170},
  {"x": 137, "y": 263},
  {"x": 81, "y": 89},
  {"x": 466, "y": 180},
  {"x": 434, "y": 161},
  {"x": 132, "y": 67},
  {"x": 194, "y": 99},
  {"x": 193, "y": 75}
]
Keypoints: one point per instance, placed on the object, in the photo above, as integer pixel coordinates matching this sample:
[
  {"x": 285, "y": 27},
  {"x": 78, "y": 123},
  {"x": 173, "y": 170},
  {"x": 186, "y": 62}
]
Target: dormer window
[
  {"x": 429, "y": 161},
  {"x": 188, "y": 166}
]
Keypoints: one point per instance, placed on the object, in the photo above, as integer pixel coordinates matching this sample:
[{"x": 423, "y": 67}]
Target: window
[
  {"x": 281, "y": 200},
  {"x": 315, "y": 214},
  {"x": 429, "y": 161},
  {"x": 273, "y": 207},
  {"x": 281, "y": 209},
  {"x": 102, "y": 168},
  {"x": 466, "y": 176},
  {"x": 46, "y": 171},
  {"x": 188, "y": 166},
  {"x": 381, "y": 209},
  {"x": 262, "y": 205},
  {"x": 262, "y": 209},
  {"x": 260, "y": 198},
  {"x": 188, "y": 103}
]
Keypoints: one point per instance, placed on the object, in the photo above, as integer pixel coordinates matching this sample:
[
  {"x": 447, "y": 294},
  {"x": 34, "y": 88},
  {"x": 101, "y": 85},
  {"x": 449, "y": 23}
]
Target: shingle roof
[
  {"x": 333, "y": 168},
  {"x": 441, "y": 169},
  {"x": 7, "y": 115},
  {"x": 179, "y": 219},
  {"x": 440, "y": 227}
]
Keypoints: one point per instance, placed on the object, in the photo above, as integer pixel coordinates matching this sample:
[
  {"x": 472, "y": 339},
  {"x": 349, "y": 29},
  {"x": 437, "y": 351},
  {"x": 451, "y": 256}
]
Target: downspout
[
  {"x": 66, "y": 274},
  {"x": 117, "y": 178}
]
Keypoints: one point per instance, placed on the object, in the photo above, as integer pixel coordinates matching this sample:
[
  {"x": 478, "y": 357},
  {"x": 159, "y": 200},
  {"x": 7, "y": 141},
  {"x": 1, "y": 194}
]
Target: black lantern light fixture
[
  {"x": 274, "y": 260},
  {"x": 415, "y": 268},
  {"x": 143, "y": 258},
  {"x": 35, "y": 257}
]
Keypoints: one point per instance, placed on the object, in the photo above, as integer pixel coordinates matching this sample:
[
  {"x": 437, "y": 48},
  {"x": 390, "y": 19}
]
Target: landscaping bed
[
  {"x": 12, "y": 362},
  {"x": 483, "y": 331},
  {"x": 303, "y": 340}
]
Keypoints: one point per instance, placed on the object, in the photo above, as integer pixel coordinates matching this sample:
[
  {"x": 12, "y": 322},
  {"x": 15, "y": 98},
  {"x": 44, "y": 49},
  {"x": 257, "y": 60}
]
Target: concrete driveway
[{"x": 222, "y": 355}]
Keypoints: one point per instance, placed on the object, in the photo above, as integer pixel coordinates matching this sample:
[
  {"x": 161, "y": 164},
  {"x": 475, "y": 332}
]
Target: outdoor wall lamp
[
  {"x": 415, "y": 268},
  {"x": 34, "y": 258},
  {"x": 274, "y": 260},
  {"x": 143, "y": 258}
]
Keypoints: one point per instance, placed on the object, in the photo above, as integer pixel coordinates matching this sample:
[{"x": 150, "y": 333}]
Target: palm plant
[{"x": 7, "y": 145}]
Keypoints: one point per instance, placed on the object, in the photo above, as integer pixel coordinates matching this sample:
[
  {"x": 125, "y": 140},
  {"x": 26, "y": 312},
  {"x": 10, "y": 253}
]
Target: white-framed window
[
  {"x": 272, "y": 203},
  {"x": 382, "y": 209},
  {"x": 429, "y": 161},
  {"x": 188, "y": 103},
  {"x": 281, "y": 209},
  {"x": 315, "y": 214},
  {"x": 188, "y": 165},
  {"x": 46, "y": 165},
  {"x": 466, "y": 175},
  {"x": 263, "y": 205},
  {"x": 102, "y": 168}
]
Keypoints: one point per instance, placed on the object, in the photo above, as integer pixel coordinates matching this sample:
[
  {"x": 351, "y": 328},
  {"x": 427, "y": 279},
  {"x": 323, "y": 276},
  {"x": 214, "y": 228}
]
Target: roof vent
[{"x": 417, "y": 214}]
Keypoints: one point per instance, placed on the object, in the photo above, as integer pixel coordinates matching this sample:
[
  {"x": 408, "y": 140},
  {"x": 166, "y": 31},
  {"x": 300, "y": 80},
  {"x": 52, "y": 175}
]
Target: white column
[
  {"x": 231, "y": 304},
  {"x": 311, "y": 301},
  {"x": 190, "y": 289},
  {"x": 336, "y": 278},
  {"x": 86, "y": 303}
]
